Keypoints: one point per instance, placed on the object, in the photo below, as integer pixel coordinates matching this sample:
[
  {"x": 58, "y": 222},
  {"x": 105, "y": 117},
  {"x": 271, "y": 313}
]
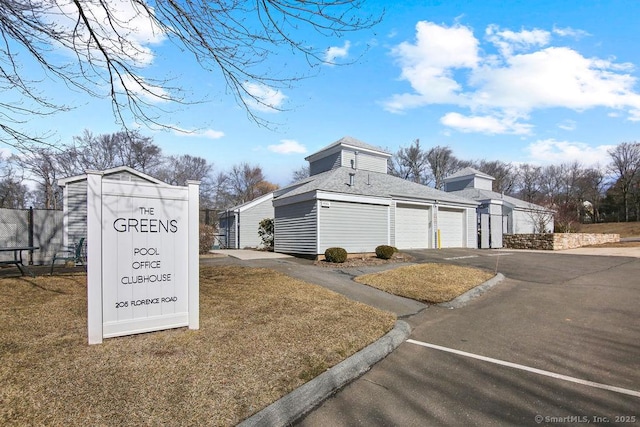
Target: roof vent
[{"x": 352, "y": 179}]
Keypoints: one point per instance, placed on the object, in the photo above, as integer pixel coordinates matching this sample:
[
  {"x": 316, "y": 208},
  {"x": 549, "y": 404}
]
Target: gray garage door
[
  {"x": 451, "y": 226},
  {"x": 412, "y": 227}
]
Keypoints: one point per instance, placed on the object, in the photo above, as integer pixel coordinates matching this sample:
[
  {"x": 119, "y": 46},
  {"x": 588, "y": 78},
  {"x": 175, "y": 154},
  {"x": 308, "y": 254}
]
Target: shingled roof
[
  {"x": 350, "y": 142},
  {"x": 482, "y": 195},
  {"x": 368, "y": 184}
]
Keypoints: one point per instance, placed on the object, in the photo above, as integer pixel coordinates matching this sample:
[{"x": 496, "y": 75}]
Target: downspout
[{"x": 236, "y": 215}]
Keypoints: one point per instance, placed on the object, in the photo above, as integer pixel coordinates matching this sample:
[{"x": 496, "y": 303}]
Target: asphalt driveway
[{"x": 557, "y": 342}]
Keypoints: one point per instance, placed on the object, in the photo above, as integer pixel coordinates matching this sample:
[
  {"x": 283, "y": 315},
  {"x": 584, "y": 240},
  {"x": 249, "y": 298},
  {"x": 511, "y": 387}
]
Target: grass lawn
[
  {"x": 624, "y": 229},
  {"x": 429, "y": 283},
  {"x": 262, "y": 334}
]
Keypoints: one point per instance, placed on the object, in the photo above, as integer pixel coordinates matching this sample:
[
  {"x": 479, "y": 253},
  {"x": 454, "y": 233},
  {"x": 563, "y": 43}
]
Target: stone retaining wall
[{"x": 556, "y": 241}]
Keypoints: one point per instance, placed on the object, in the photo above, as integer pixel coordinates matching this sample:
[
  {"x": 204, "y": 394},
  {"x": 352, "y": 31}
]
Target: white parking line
[
  {"x": 462, "y": 257},
  {"x": 501, "y": 254},
  {"x": 528, "y": 369}
]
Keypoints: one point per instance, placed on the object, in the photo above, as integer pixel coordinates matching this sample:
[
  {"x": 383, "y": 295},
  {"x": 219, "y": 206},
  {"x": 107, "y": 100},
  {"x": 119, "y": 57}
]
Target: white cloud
[
  {"x": 485, "y": 124},
  {"x": 634, "y": 115},
  {"x": 508, "y": 41},
  {"x": 445, "y": 65},
  {"x": 265, "y": 98},
  {"x": 146, "y": 91},
  {"x": 336, "y": 52},
  {"x": 567, "y": 125},
  {"x": 428, "y": 64},
  {"x": 551, "y": 151},
  {"x": 206, "y": 133},
  {"x": 287, "y": 146},
  {"x": 570, "y": 32},
  {"x": 127, "y": 35}
]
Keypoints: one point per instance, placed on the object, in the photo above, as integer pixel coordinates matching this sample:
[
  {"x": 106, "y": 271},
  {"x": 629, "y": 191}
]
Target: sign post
[{"x": 142, "y": 257}]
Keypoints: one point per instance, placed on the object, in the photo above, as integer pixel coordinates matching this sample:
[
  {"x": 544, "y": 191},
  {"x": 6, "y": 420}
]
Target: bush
[
  {"x": 338, "y": 255},
  {"x": 385, "y": 251},
  {"x": 265, "y": 230},
  {"x": 207, "y": 238}
]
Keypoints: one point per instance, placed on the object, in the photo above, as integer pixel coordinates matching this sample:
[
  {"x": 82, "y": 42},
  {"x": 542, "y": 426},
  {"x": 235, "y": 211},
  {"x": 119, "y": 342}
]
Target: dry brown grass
[
  {"x": 615, "y": 245},
  {"x": 624, "y": 229},
  {"x": 430, "y": 283},
  {"x": 262, "y": 335}
]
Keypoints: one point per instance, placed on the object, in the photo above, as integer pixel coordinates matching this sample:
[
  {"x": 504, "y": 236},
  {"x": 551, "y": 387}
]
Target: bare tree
[
  {"x": 100, "y": 152},
  {"x": 443, "y": 163},
  {"x": 410, "y": 163},
  {"x": 177, "y": 170},
  {"x": 625, "y": 165},
  {"x": 541, "y": 220},
  {"x": 590, "y": 191},
  {"x": 139, "y": 152},
  {"x": 41, "y": 166},
  {"x": 111, "y": 46},
  {"x": 106, "y": 151},
  {"x": 528, "y": 183},
  {"x": 504, "y": 174},
  {"x": 13, "y": 192},
  {"x": 301, "y": 173},
  {"x": 246, "y": 182}
]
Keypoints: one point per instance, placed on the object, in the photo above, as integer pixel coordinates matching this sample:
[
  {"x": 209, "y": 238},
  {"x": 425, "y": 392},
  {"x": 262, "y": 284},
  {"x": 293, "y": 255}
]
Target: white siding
[
  {"x": 365, "y": 161},
  {"x": 472, "y": 228},
  {"x": 76, "y": 211},
  {"x": 412, "y": 227},
  {"x": 250, "y": 222},
  {"x": 295, "y": 228},
  {"x": 523, "y": 222},
  {"x": 392, "y": 225},
  {"x": 356, "y": 227}
]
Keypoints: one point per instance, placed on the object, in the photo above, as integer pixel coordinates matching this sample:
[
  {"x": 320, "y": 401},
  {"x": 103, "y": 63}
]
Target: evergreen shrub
[{"x": 338, "y": 255}]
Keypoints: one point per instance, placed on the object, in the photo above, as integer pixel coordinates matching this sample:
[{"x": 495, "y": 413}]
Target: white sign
[{"x": 142, "y": 257}]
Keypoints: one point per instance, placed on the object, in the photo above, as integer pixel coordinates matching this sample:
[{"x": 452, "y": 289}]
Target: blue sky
[{"x": 519, "y": 81}]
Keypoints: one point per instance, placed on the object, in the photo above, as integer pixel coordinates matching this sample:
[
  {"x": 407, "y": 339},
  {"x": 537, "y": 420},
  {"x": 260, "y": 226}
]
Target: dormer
[
  {"x": 348, "y": 152},
  {"x": 468, "y": 178}
]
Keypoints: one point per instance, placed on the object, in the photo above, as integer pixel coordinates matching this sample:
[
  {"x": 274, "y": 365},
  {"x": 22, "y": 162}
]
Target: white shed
[{"x": 239, "y": 225}]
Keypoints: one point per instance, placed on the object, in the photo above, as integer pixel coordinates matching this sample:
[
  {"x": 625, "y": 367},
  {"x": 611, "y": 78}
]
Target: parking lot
[{"x": 557, "y": 342}]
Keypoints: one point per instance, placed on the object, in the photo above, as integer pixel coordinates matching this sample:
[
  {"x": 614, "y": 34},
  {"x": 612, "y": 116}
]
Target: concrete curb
[
  {"x": 471, "y": 294},
  {"x": 304, "y": 399}
]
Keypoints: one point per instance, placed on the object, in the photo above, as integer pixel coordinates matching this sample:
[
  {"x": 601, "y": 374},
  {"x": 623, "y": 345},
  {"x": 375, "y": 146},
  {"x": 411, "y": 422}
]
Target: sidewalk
[{"x": 337, "y": 280}]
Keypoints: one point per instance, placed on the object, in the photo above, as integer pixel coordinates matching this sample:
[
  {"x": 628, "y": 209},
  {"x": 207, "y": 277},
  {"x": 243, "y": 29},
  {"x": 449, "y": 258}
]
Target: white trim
[
  {"x": 94, "y": 254},
  {"x": 318, "y": 209},
  {"x": 64, "y": 181},
  {"x": 338, "y": 197},
  {"x": 404, "y": 198},
  {"x": 304, "y": 197},
  {"x": 65, "y": 217},
  {"x": 389, "y": 223},
  {"x": 193, "y": 268},
  {"x": 250, "y": 204},
  {"x": 340, "y": 146},
  {"x": 342, "y": 197},
  {"x": 412, "y": 202}
]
